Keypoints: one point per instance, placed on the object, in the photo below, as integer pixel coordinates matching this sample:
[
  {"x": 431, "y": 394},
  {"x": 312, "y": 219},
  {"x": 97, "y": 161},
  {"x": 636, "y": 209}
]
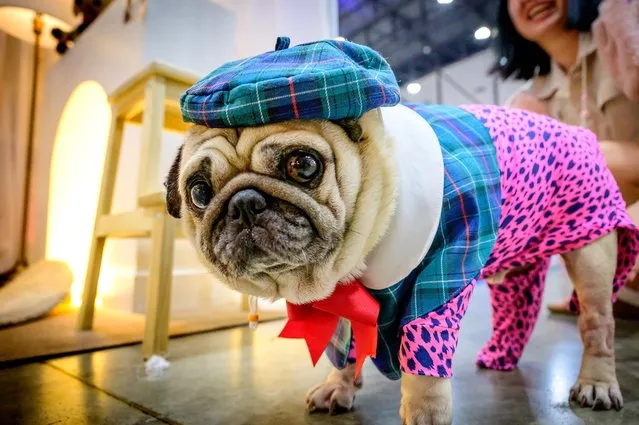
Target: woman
[{"x": 569, "y": 81}]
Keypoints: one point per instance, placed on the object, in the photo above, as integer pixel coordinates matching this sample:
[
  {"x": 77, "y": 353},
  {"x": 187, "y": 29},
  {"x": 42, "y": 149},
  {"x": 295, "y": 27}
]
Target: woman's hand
[{"x": 622, "y": 157}]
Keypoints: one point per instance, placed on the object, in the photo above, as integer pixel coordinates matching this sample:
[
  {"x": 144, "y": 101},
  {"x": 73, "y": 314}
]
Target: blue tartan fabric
[
  {"x": 327, "y": 79},
  {"x": 465, "y": 238}
]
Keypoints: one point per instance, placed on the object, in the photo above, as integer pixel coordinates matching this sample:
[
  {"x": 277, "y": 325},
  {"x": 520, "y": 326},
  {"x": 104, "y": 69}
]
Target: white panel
[
  {"x": 198, "y": 37},
  {"x": 260, "y": 22}
]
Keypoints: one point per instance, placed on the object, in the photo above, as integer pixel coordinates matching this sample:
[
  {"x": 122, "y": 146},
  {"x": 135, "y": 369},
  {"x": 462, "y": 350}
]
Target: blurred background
[
  {"x": 438, "y": 49},
  {"x": 92, "y": 51},
  {"x": 90, "y": 259}
]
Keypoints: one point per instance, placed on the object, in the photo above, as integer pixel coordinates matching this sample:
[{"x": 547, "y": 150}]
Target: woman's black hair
[{"x": 524, "y": 59}]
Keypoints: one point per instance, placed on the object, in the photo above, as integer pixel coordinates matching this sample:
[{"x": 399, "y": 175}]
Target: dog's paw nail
[
  {"x": 573, "y": 395},
  {"x": 617, "y": 404},
  {"x": 336, "y": 408},
  {"x": 616, "y": 398},
  {"x": 583, "y": 401}
]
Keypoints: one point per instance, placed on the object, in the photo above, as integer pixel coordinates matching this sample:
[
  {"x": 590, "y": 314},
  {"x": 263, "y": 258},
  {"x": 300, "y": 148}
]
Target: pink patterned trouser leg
[
  {"x": 428, "y": 343},
  {"x": 515, "y": 306}
]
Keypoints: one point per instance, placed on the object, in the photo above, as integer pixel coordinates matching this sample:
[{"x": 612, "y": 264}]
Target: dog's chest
[{"x": 427, "y": 271}]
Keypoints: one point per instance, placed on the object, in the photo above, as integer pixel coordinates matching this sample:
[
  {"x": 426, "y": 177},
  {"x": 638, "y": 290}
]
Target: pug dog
[{"x": 293, "y": 209}]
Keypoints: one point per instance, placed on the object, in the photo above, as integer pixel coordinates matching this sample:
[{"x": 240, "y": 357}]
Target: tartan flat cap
[{"x": 327, "y": 79}]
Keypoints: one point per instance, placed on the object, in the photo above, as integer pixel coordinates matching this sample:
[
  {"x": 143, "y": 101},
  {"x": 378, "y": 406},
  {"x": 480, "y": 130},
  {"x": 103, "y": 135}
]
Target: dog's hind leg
[
  {"x": 515, "y": 307},
  {"x": 592, "y": 270}
]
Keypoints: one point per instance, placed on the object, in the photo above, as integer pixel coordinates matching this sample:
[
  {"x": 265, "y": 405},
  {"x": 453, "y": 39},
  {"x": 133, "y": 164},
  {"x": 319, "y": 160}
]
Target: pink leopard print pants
[{"x": 557, "y": 196}]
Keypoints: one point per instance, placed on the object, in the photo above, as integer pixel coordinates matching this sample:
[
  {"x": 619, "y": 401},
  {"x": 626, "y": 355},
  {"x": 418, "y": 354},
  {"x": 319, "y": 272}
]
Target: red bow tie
[{"x": 316, "y": 322}]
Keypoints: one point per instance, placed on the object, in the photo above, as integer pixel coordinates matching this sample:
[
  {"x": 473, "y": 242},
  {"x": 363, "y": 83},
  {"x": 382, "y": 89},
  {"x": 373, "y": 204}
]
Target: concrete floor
[{"x": 239, "y": 377}]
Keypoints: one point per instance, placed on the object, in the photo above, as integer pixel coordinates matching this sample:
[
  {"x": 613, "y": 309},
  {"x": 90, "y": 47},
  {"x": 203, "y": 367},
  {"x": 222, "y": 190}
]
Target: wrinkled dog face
[
  {"x": 270, "y": 208},
  {"x": 258, "y": 232}
]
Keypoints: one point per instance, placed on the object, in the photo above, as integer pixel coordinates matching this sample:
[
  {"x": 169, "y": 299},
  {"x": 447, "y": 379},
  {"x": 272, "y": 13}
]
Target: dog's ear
[
  {"x": 352, "y": 128},
  {"x": 173, "y": 198}
]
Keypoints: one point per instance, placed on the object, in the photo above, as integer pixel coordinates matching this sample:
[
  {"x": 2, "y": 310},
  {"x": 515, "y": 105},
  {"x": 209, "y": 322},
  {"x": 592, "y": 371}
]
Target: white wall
[
  {"x": 471, "y": 74},
  {"x": 259, "y": 22}
]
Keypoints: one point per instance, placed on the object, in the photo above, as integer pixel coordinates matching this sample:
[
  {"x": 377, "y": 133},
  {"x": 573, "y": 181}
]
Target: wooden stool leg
[
  {"x": 156, "y": 328},
  {"x": 109, "y": 173},
  {"x": 152, "y": 126},
  {"x": 90, "y": 291}
]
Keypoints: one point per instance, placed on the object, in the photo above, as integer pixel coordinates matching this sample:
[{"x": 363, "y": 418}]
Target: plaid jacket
[{"x": 465, "y": 238}]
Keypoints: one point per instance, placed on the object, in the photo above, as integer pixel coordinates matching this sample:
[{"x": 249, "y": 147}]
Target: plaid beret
[{"x": 326, "y": 79}]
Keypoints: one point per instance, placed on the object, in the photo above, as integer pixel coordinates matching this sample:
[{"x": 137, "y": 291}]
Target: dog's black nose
[{"x": 246, "y": 204}]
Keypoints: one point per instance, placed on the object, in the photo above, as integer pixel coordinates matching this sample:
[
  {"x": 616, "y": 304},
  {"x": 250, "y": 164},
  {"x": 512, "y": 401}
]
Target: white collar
[{"x": 420, "y": 179}]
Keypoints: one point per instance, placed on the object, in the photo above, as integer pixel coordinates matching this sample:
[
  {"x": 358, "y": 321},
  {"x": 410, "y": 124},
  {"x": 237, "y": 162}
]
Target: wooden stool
[{"x": 151, "y": 99}]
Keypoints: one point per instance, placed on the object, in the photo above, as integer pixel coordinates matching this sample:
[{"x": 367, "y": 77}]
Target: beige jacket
[{"x": 611, "y": 115}]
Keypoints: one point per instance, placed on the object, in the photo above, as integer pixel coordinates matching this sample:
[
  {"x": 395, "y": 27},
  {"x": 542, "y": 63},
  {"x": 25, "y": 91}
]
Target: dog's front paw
[
  {"x": 426, "y": 401},
  {"x": 418, "y": 412},
  {"x": 598, "y": 395},
  {"x": 336, "y": 395}
]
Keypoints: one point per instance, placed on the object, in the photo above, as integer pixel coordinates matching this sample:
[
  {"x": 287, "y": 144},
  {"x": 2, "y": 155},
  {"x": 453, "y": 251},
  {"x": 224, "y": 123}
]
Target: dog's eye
[
  {"x": 303, "y": 167},
  {"x": 201, "y": 194}
]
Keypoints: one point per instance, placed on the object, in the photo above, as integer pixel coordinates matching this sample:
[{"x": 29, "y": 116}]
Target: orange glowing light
[{"x": 76, "y": 173}]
